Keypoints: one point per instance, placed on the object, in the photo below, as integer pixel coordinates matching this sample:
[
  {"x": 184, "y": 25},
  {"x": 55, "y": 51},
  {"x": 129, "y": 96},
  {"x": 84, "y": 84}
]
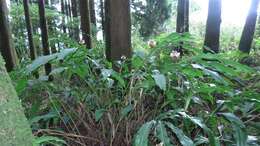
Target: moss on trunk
[{"x": 14, "y": 127}]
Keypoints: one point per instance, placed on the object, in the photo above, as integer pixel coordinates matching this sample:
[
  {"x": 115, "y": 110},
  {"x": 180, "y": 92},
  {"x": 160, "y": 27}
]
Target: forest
[{"x": 129, "y": 73}]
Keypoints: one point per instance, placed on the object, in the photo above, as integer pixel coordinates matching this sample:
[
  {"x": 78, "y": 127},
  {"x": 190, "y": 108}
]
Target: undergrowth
[{"x": 160, "y": 99}]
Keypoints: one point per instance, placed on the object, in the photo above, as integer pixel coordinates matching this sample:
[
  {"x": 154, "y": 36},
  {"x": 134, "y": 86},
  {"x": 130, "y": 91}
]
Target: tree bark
[
  {"x": 249, "y": 28},
  {"x": 66, "y": 17},
  {"x": 213, "y": 26},
  {"x": 29, "y": 32},
  {"x": 44, "y": 34},
  {"x": 66, "y": 9},
  {"x": 118, "y": 29},
  {"x": 6, "y": 47},
  {"x": 29, "y": 29},
  {"x": 180, "y": 16},
  {"x": 85, "y": 22},
  {"x": 102, "y": 15},
  {"x": 74, "y": 8},
  {"x": 63, "y": 17},
  {"x": 92, "y": 12},
  {"x": 14, "y": 127},
  {"x": 69, "y": 9},
  {"x": 187, "y": 16},
  {"x": 93, "y": 18},
  {"x": 69, "y": 15}
]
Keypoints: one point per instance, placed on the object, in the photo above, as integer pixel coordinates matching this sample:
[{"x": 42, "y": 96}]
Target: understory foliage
[{"x": 188, "y": 100}]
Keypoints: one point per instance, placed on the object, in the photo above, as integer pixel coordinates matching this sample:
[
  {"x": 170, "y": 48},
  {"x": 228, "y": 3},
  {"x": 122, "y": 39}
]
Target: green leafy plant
[{"x": 198, "y": 99}]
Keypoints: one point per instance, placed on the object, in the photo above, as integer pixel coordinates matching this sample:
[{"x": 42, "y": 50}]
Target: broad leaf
[
  {"x": 99, "y": 113},
  {"x": 58, "y": 70},
  {"x": 65, "y": 52},
  {"x": 126, "y": 111},
  {"x": 40, "y": 61},
  {"x": 211, "y": 73},
  {"x": 141, "y": 138},
  {"x": 184, "y": 140},
  {"x": 20, "y": 85},
  {"x": 137, "y": 62},
  {"x": 119, "y": 79},
  {"x": 213, "y": 141},
  {"x": 238, "y": 127},
  {"x": 240, "y": 135},
  {"x": 161, "y": 133},
  {"x": 233, "y": 119},
  {"x": 160, "y": 81}
]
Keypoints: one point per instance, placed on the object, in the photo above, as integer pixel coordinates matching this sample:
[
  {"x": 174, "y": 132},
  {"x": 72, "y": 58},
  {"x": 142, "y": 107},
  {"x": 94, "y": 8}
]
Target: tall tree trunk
[
  {"x": 69, "y": 8},
  {"x": 249, "y": 28},
  {"x": 66, "y": 17},
  {"x": 63, "y": 17},
  {"x": 92, "y": 12},
  {"x": 180, "y": 16},
  {"x": 182, "y": 20},
  {"x": 102, "y": 15},
  {"x": 29, "y": 32},
  {"x": 213, "y": 26},
  {"x": 66, "y": 7},
  {"x": 29, "y": 29},
  {"x": 118, "y": 29},
  {"x": 85, "y": 22},
  {"x": 6, "y": 47},
  {"x": 74, "y": 8},
  {"x": 69, "y": 15},
  {"x": 93, "y": 17},
  {"x": 44, "y": 34},
  {"x": 187, "y": 16},
  {"x": 15, "y": 129}
]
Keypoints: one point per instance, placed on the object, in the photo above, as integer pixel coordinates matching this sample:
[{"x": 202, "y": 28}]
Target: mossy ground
[{"x": 14, "y": 128}]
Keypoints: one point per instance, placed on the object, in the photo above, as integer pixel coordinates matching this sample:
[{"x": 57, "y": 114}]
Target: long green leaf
[
  {"x": 184, "y": 140},
  {"x": 210, "y": 73},
  {"x": 240, "y": 135},
  {"x": 238, "y": 127},
  {"x": 65, "y": 52},
  {"x": 213, "y": 141},
  {"x": 39, "y": 62},
  {"x": 141, "y": 138},
  {"x": 161, "y": 133},
  {"x": 47, "y": 139},
  {"x": 233, "y": 119}
]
